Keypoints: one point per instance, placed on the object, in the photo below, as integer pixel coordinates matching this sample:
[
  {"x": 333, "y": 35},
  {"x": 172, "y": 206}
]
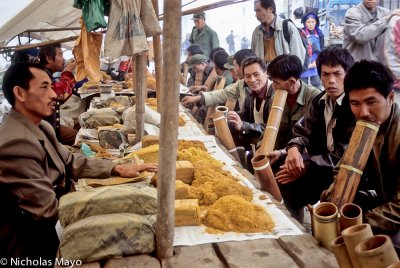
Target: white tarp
[{"x": 43, "y": 14}]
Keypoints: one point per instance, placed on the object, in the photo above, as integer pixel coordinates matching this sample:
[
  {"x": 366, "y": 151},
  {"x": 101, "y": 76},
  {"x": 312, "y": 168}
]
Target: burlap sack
[{"x": 107, "y": 236}]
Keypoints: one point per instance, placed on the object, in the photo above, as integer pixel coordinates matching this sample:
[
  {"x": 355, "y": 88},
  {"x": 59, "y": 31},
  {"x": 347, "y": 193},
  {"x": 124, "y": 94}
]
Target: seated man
[
  {"x": 319, "y": 138},
  {"x": 249, "y": 124},
  {"x": 190, "y": 51},
  {"x": 201, "y": 70},
  {"x": 235, "y": 91},
  {"x": 51, "y": 58},
  {"x": 369, "y": 86},
  {"x": 285, "y": 71},
  {"x": 35, "y": 169},
  {"x": 220, "y": 58}
]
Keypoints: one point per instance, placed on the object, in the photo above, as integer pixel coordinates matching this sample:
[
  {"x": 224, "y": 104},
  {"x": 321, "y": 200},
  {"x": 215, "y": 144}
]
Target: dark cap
[
  {"x": 199, "y": 15},
  {"x": 229, "y": 65},
  {"x": 197, "y": 59}
]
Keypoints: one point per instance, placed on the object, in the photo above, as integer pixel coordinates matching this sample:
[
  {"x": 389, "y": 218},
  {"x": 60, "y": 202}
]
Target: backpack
[{"x": 307, "y": 44}]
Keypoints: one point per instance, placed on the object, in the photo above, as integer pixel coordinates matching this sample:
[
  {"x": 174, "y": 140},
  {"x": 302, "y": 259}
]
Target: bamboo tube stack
[{"x": 353, "y": 162}]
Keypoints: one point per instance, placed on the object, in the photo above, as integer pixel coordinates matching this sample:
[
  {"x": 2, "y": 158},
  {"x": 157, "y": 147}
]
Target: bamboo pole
[
  {"x": 169, "y": 130},
  {"x": 140, "y": 93},
  {"x": 157, "y": 58},
  {"x": 219, "y": 84}
]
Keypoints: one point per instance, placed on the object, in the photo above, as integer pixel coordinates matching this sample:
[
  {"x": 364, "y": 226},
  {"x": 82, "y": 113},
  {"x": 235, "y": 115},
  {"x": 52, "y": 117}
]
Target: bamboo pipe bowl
[
  {"x": 376, "y": 252},
  {"x": 354, "y": 235},
  {"x": 353, "y": 162},
  {"x": 224, "y": 134},
  {"x": 324, "y": 219},
  {"x": 265, "y": 176},
  {"x": 350, "y": 214},
  {"x": 340, "y": 251}
]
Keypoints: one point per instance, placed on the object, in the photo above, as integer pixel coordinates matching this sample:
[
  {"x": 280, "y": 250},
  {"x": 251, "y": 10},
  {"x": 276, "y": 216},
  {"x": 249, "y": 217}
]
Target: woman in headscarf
[{"x": 315, "y": 38}]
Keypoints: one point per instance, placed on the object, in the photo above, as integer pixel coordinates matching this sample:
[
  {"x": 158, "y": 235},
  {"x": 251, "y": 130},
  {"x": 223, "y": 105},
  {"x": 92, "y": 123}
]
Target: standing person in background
[
  {"x": 245, "y": 43},
  {"x": 230, "y": 40},
  {"x": 203, "y": 35},
  {"x": 297, "y": 16},
  {"x": 316, "y": 38},
  {"x": 363, "y": 24},
  {"x": 268, "y": 39}
]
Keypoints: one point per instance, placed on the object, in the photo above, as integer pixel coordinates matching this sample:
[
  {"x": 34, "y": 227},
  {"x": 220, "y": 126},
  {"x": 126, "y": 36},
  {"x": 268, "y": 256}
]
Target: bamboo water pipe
[
  {"x": 219, "y": 84},
  {"x": 230, "y": 104},
  {"x": 157, "y": 58},
  {"x": 198, "y": 81},
  {"x": 353, "y": 162},
  {"x": 169, "y": 131},
  {"x": 264, "y": 172},
  {"x": 185, "y": 73},
  {"x": 224, "y": 134},
  {"x": 140, "y": 93}
]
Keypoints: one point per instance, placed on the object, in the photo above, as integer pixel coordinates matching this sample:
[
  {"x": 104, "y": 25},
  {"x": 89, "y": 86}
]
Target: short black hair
[
  {"x": 334, "y": 56},
  {"x": 220, "y": 58},
  {"x": 251, "y": 60},
  {"x": 48, "y": 51},
  {"x": 267, "y": 4},
  {"x": 298, "y": 12},
  {"x": 18, "y": 74},
  {"x": 243, "y": 54},
  {"x": 365, "y": 74},
  {"x": 285, "y": 66},
  {"x": 194, "y": 49},
  {"x": 213, "y": 51}
]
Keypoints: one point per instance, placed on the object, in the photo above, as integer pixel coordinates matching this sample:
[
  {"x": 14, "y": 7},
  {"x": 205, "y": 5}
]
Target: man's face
[
  {"x": 255, "y": 77},
  {"x": 368, "y": 104},
  {"x": 237, "y": 70},
  {"x": 310, "y": 24},
  {"x": 370, "y": 4},
  {"x": 288, "y": 85},
  {"x": 199, "y": 23},
  {"x": 263, "y": 15},
  {"x": 332, "y": 79},
  {"x": 39, "y": 101},
  {"x": 56, "y": 65},
  {"x": 199, "y": 68}
]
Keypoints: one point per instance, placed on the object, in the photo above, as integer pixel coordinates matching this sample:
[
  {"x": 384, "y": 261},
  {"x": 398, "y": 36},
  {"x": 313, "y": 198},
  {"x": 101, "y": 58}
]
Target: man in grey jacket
[
  {"x": 363, "y": 25},
  {"x": 268, "y": 40}
]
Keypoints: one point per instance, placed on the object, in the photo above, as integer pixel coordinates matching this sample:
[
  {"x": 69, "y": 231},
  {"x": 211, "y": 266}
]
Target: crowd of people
[{"x": 329, "y": 89}]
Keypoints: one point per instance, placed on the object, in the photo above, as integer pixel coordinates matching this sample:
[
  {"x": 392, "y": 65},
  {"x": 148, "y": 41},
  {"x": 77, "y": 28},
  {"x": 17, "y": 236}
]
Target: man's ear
[
  {"x": 391, "y": 97},
  {"x": 19, "y": 93},
  {"x": 292, "y": 81},
  {"x": 49, "y": 59}
]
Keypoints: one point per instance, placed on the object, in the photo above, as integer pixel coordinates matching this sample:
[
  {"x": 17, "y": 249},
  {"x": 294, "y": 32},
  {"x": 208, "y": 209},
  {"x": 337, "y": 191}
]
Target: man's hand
[
  {"x": 235, "y": 119},
  {"x": 133, "y": 170},
  {"x": 188, "y": 100},
  {"x": 294, "y": 162},
  {"x": 70, "y": 66},
  {"x": 274, "y": 156},
  {"x": 284, "y": 176},
  {"x": 196, "y": 89}
]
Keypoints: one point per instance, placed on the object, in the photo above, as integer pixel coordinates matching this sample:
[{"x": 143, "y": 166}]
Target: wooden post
[
  {"x": 140, "y": 93},
  {"x": 157, "y": 58},
  {"x": 169, "y": 130}
]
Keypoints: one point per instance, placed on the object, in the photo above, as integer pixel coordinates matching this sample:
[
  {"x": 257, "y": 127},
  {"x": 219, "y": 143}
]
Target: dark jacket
[
  {"x": 309, "y": 133},
  {"x": 249, "y": 128},
  {"x": 382, "y": 174}
]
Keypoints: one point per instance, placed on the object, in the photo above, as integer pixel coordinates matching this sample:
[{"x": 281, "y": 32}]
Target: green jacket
[
  {"x": 219, "y": 97},
  {"x": 207, "y": 39},
  {"x": 291, "y": 116}
]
